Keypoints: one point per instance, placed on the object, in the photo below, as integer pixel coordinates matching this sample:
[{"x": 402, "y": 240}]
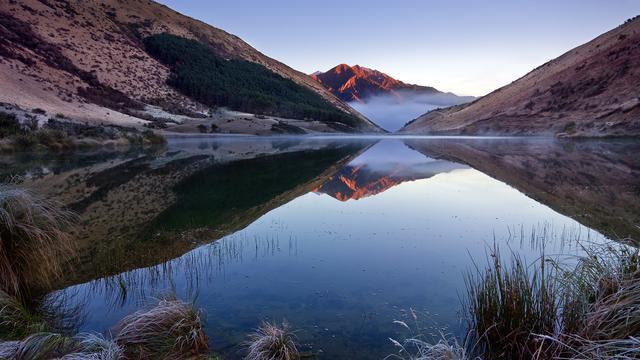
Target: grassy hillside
[{"x": 198, "y": 72}]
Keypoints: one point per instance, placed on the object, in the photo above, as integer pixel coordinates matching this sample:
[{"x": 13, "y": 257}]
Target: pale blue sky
[{"x": 468, "y": 47}]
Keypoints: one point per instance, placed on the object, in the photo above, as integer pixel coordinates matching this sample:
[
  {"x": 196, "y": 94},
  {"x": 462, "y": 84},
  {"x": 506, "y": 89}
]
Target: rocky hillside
[
  {"x": 591, "y": 90},
  {"x": 88, "y": 61},
  {"x": 357, "y": 83}
]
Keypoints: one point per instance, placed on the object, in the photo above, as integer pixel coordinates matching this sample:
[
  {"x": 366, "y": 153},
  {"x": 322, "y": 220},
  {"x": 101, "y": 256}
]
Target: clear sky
[{"x": 469, "y": 47}]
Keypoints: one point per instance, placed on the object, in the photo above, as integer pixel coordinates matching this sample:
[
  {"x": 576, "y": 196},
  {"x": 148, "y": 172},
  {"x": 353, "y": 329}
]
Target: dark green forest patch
[{"x": 237, "y": 84}]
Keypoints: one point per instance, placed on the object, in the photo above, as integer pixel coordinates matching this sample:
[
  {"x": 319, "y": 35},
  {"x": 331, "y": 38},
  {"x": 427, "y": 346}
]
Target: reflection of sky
[
  {"x": 393, "y": 157},
  {"x": 390, "y": 152},
  {"x": 341, "y": 272}
]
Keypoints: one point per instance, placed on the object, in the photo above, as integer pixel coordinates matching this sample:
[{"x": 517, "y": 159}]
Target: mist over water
[{"x": 392, "y": 111}]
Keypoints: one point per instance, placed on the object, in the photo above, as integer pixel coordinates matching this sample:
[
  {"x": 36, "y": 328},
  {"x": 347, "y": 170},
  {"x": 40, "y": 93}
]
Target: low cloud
[{"x": 391, "y": 112}]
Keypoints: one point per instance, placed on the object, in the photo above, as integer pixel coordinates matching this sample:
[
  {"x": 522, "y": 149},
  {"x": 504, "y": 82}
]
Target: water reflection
[{"x": 341, "y": 237}]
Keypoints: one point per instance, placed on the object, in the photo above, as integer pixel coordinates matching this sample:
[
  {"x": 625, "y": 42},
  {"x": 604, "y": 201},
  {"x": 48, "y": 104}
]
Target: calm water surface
[{"x": 339, "y": 237}]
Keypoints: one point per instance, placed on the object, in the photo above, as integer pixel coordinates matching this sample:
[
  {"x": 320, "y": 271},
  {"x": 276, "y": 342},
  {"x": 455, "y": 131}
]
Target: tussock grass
[
  {"x": 34, "y": 243},
  {"x": 16, "y": 319},
  {"x": 601, "y": 305},
  {"x": 171, "y": 330},
  {"x": 95, "y": 347},
  {"x": 546, "y": 310},
  {"x": 509, "y": 303},
  {"x": 272, "y": 342},
  {"x": 44, "y": 346}
]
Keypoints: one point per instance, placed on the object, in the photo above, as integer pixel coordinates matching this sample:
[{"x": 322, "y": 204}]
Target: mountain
[
  {"x": 381, "y": 98},
  {"x": 591, "y": 90},
  {"x": 357, "y": 83},
  {"x": 111, "y": 61}
]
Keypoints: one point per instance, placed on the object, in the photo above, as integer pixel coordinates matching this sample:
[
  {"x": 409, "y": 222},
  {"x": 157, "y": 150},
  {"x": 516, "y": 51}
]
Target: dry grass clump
[
  {"x": 170, "y": 330},
  {"x": 272, "y": 342},
  {"x": 34, "y": 243},
  {"x": 601, "y": 305},
  {"x": 95, "y": 347},
  {"x": 44, "y": 346}
]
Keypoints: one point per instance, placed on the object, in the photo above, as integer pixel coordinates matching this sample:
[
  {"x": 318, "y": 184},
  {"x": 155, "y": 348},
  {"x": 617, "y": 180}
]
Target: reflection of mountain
[
  {"x": 130, "y": 208},
  {"x": 373, "y": 173},
  {"x": 594, "y": 182},
  {"x": 354, "y": 182}
]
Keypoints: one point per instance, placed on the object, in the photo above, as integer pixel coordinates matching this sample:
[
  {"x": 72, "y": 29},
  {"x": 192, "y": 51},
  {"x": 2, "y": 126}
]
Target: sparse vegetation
[
  {"x": 172, "y": 328},
  {"x": 272, "y": 342},
  {"x": 240, "y": 85},
  {"x": 415, "y": 347},
  {"x": 60, "y": 136}
]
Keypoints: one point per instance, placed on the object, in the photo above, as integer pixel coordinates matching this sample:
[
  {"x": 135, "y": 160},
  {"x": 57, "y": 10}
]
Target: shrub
[
  {"x": 9, "y": 125},
  {"x": 24, "y": 141},
  {"x": 570, "y": 128},
  {"x": 170, "y": 329},
  {"x": 272, "y": 342},
  {"x": 54, "y": 139},
  {"x": 153, "y": 137},
  {"x": 202, "y": 128}
]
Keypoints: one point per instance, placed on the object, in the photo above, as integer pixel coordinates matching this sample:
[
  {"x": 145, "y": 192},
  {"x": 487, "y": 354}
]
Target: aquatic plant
[
  {"x": 172, "y": 329},
  {"x": 272, "y": 342},
  {"x": 34, "y": 243}
]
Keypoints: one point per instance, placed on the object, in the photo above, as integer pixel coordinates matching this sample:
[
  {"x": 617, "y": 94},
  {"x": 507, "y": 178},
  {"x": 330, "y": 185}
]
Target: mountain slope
[
  {"x": 357, "y": 83},
  {"x": 87, "y": 60},
  {"x": 591, "y": 90}
]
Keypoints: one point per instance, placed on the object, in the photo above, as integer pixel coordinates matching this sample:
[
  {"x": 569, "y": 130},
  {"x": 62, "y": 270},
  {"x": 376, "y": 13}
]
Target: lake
[{"x": 340, "y": 236}]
